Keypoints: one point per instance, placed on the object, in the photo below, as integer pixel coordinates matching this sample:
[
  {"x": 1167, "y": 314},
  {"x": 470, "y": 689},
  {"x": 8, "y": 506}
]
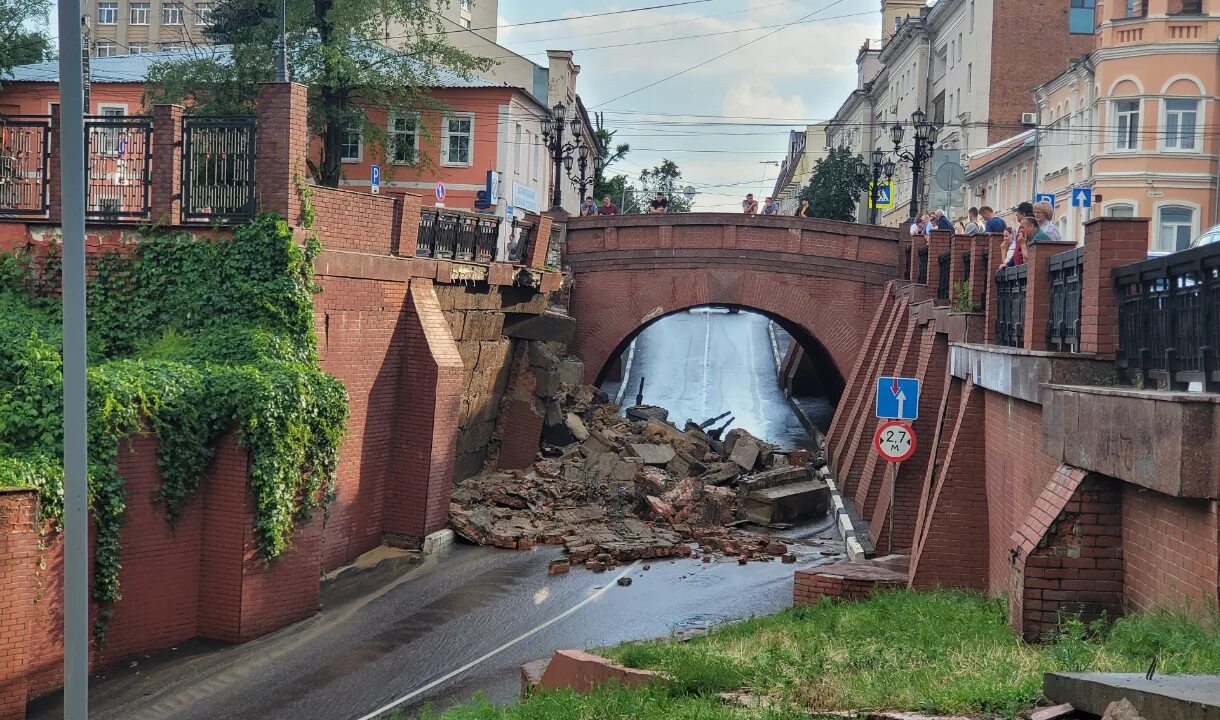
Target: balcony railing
[
  {"x": 118, "y": 152},
  {"x": 923, "y": 265},
  {"x": 1169, "y": 319},
  {"x": 1010, "y": 286},
  {"x": 24, "y": 156},
  {"x": 453, "y": 235},
  {"x": 942, "y": 283},
  {"x": 217, "y": 169},
  {"x": 1066, "y": 272}
]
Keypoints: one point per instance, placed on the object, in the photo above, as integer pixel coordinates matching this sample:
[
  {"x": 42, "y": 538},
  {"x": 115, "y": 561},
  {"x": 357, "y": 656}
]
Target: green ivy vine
[{"x": 189, "y": 339}]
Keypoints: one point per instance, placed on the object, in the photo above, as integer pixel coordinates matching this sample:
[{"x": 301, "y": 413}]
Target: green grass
[{"x": 936, "y": 652}]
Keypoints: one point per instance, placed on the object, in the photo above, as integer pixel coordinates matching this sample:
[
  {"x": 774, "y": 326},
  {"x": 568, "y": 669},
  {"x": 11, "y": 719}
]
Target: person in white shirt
[
  {"x": 1043, "y": 212},
  {"x": 973, "y": 227}
]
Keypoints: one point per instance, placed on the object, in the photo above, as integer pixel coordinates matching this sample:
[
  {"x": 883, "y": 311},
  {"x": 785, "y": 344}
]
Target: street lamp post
[
  {"x": 564, "y": 154},
  {"x": 872, "y": 171},
  {"x": 925, "y": 143}
]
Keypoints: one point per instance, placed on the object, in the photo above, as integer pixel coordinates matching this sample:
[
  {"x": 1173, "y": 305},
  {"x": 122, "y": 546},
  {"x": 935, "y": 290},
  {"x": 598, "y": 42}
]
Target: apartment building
[
  {"x": 1128, "y": 121},
  {"x": 970, "y": 65},
  {"x": 805, "y": 148},
  {"x": 134, "y": 27}
]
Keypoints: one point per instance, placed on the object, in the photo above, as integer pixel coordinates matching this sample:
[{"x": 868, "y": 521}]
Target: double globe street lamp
[
  {"x": 871, "y": 171},
  {"x": 926, "y": 133},
  {"x": 565, "y": 155}
]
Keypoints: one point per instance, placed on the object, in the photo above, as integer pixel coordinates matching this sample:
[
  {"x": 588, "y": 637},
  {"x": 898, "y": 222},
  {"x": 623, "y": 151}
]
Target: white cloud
[{"x": 759, "y": 98}]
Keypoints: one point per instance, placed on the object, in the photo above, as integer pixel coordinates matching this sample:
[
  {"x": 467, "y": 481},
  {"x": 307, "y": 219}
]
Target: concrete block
[
  {"x": 547, "y": 327},
  {"x": 745, "y": 452},
  {"x": 657, "y": 455},
  {"x": 571, "y": 372},
  {"x": 531, "y": 675},
  {"x": 1165, "y": 697},
  {"x": 582, "y": 672},
  {"x": 546, "y": 382},
  {"x": 1053, "y": 713},
  {"x": 788, "y": 503},
  {"x": 542, "y": 356},
  {"x": 437, "y": 541}
]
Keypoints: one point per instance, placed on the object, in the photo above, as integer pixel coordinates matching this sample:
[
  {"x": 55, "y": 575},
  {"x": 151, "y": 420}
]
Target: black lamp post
[
  {"x": 583, "y": 180},
  {"x": 873, "y": 170},
  {"x": 925, "y": 142},
  {"x": 564, "y": 154}
]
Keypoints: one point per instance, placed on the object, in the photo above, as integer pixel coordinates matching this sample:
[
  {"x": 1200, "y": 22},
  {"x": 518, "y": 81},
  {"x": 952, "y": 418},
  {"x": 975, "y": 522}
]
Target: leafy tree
[
  {"x": 834, "y": 188},
  {"x": 23, "y": 36},
  {"x": 622, "y": 193},
  {"x": 664, "y": 178},
  {"x": 355, "y": 56}
]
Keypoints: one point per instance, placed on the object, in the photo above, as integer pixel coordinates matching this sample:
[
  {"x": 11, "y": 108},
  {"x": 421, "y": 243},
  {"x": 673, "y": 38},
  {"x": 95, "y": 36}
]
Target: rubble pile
[{"x": 611, "y": 488}]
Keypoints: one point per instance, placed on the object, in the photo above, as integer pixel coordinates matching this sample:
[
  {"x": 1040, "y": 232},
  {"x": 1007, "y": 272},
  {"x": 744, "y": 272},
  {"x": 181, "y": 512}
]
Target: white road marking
[{"x": 487, "y": 656}]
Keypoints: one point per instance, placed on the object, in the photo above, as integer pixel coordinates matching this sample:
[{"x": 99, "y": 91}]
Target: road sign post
[
  {"x": 897, "y": 398},
  {"x": 440, "y": 194},
  {"x": 1082, "y": 197},
  {"x": 375, "y": 179},
  {"x": 881, "y": 195},
  {"x": 894, "y": 443}
]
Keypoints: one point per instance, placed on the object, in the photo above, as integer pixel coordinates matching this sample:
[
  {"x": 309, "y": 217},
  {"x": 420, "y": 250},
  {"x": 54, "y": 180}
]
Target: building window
[
  {"x": 107, "y": 13},
  {"x": 971, "y": 15},
  {"x": 1120, "y": 210},
  {"x": 1187, "y": 7},
  {"x": 1080, "y": 16},
  {"x": 959, "y": 47},
  {"x": 1175, "y": 228},
  {"x": 138, "y": 48},
  {"x": 171, "y": 14},
  {"x": 404, "y": 138},
  {"x": 465, "y": 5},
  {"x": 173, "y": 46},
  {"x": 969, "y": 77},
  {"x": 1127, "y": 124},
  {"x": 517, "y": 149},
  {"x": 464, "y": 22},
  {"x": 107, "y": 48},
  {"x": 352, "y": 148},
  {"x": 203, "y": 14},
  {"x": 139, "y": 14},
  {"x": 1181, "y": 124},
  {"x": 457, "y": 140}
]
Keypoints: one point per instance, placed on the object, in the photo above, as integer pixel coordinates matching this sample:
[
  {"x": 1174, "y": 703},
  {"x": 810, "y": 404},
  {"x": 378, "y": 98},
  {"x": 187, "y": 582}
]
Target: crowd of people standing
[{"x": 1033, "y": 224}]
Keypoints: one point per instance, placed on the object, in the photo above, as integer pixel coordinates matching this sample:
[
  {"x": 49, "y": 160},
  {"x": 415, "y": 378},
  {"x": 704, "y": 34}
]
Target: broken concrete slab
[
  {"x": 1057, "y": 712},
  {"x": 745, "y": 452},
  {"x": 647, "y": 412},
  {"x": 571, "y": 371},
  {"x": 1165, "y": 697},
  {"x": 583, "y": 672},
  {"x": 788, "y": 503},
  {"x": 576, "y": 426},
  {"x": 548, "y": 327},
  {"x": 784, "y": 475},
  {"x": 658, "y": 455},
  {"x": 531, "y": 675}
]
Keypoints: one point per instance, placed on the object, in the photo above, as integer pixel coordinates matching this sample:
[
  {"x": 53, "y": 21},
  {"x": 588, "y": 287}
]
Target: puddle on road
[{"x": 702, "y": 621}]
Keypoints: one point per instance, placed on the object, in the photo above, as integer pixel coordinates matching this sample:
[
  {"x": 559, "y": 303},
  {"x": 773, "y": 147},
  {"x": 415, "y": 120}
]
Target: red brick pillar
[
  {"x": 419, "y": 484},
  {"x": 978, "y": 278},
  {"x": 958, "y": 245},
  {"x": 904, "y": 242},
  {"x": 18, "y": 564},
  {"x": 166, "y": 197},
  {"x": 409, "y": 208},
  {"x": 1108, "y": 243},
  {"x": 940, "y": 241},
  {"x": 55, "y": 203},
  {"x": 917, "y": 241},
  {"x": 541, "y": 243},
  {"x": 283, "y": 147},
  {"x": 995, "y": 248},
  {"x": 1038, "y": 291}
]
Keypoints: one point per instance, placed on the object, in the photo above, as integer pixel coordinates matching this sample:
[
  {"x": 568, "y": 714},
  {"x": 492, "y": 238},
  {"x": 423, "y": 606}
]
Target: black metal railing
[
  {"x": 906, "y": 262},
  {"x": 218, "y": 169},
  {"x": 24, "y": 155},
  {"x": 923, "y": 265},
  {"x": 452, "y": 235},
  {"x": 1169, "y": 319},
  {"x": 943, "y": 261},
  {"x": 966, "y": 266},
  {"x": 519, "y": 250},
  {"x": 1010, "y": 284},
  {"x": 1066, "y": 275},
  {"x": 118, "y": 157}
]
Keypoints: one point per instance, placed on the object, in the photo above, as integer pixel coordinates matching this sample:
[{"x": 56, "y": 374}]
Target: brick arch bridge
[{"x": 821, "y": 280}]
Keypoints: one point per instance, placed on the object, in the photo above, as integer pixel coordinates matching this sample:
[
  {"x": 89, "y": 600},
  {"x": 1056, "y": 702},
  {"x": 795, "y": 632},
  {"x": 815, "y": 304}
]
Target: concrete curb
[
  {"x": 437, "y": 541},
  {"x": 856, "y": 550}
]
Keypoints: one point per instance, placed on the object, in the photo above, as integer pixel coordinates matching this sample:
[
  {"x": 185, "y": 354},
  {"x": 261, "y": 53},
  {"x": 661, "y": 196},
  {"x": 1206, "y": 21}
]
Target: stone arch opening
[{"x": 812, "y": 370}]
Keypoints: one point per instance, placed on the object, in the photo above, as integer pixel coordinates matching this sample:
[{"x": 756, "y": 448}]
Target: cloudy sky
[{"x": 721, "y": 120}]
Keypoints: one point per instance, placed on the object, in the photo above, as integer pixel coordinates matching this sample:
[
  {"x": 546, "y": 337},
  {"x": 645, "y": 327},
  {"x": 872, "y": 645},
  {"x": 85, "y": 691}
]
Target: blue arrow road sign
[
  {"x": 1082, "y": 197},
  {"x": 897, "y": 398},
  {"x": 1046, "y": 197}
]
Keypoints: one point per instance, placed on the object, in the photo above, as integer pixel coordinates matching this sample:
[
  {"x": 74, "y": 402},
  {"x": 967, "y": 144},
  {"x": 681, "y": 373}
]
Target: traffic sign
[
  {"x": 440, "y": 192},
  {"x": 1046, "y": 198},
  {"x": 1082, "y": 197},
  {"x": 375, "y": 179},
  {"x": 894, "y": 441},
  {"x": 881, "y": 196},
  {"x": 897, "y": 398}
]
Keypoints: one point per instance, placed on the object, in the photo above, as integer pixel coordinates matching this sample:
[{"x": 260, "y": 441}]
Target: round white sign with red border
[{"x": 894, "y": 441}]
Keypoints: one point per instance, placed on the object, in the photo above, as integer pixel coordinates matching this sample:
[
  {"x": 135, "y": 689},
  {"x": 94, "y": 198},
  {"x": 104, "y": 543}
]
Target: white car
[{"x": 1207, "y": 238}]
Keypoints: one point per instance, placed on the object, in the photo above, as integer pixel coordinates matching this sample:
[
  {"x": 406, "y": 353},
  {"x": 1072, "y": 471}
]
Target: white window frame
[
  {"x": 1155, "y": 244},
  {"x": 1117, "y": 145},
  {"x": 203, "y": 14},
  {"x": 112, "y": 9},
  {"x": 172, "y": 45},
  {"x": 1108, "y": 207},
  {"x": 1197, "y": 139},
  {"x": 111, "y": 134},
  {"x": 359, "y": 145},
  {"x": 446, "y": 135},
  {"x": 518, "y": 138},
  {"x": 144, "y": 7},
  {"x": 167, "y": 11},
  {"x": 110, "y": 45},
  {"x": 139, "y": 48},
  {"x": 391, "y": 137}
]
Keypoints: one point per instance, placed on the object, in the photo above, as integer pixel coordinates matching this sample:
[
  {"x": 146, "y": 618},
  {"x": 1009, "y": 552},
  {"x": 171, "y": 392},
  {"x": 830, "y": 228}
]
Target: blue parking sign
[
  {"x": 1046, "y": 198},
  {"x": 375, "y": 179},
  {"x": 897, "y": 398}
]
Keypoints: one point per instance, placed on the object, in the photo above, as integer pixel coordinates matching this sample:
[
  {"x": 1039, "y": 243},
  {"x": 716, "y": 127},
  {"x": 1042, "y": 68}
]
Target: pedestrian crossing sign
[{"x": 882, "y": 196}]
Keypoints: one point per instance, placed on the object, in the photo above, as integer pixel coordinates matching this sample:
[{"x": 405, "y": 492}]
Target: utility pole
[{"x": 72, "y": 64}]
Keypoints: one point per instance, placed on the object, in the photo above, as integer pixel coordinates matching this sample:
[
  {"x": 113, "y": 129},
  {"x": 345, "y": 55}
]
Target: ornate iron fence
[
  {"x": 457, "y": 236},
  {"x": 1169, "y": 319},
  {"x": 1010, "y": 285},
  {"x": 118, "y": 157},
  {"x": 24, "y": 155},
  {"x": 487, "y": 239},
  {"x": 942, "y": 281},
  {"x": 519, "y": 251},
  {"x": 1066, "y": 273},
  {"x": 218, "y": 169},
  {"x": 923, "y": 265}
]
